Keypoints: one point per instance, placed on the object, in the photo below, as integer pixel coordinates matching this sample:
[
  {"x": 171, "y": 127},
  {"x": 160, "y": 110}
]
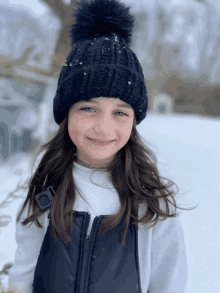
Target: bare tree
[{"x": 63, "y": 46}]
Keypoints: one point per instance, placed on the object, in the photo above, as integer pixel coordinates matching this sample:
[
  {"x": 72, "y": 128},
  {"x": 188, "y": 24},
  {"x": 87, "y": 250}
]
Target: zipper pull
[{"x": 86, "y": 243}]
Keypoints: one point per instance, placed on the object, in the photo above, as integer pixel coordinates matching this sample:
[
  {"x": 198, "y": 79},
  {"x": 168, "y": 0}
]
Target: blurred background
[{"x": 178, "y": 45}]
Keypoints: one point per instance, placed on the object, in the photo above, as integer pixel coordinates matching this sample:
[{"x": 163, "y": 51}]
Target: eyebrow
[{"x": 119, "y": 105}]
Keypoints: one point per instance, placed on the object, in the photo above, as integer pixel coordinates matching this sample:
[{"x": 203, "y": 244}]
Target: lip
[{"x": 100, "y": 143}]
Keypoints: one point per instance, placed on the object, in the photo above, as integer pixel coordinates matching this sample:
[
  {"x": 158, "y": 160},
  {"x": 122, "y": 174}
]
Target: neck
[
  {"x": 80, "y": 162},
  {"x": 90, "y": 166}
]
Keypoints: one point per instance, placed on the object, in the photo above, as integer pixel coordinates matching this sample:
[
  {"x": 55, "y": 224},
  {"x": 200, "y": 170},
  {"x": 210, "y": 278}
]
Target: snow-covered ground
[{"x": 188, "y": 152}]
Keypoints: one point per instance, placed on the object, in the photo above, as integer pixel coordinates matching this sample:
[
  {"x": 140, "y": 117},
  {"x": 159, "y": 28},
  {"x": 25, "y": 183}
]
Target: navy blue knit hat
[{"x": 101, "y": 63}]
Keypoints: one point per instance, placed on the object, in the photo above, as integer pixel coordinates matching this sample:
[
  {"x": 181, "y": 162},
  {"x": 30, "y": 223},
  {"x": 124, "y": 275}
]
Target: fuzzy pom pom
[{"x": 95, "y": 18}]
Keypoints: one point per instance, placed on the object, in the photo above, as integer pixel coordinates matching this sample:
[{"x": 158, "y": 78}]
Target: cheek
[
  {"x": 73, "y": 133},
  {"x": 125, "y": 133},
  {"x": 75, "y": 128}
]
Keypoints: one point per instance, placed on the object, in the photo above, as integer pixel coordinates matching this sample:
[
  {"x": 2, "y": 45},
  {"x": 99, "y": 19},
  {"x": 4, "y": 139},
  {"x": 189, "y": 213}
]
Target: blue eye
[{"x": 84, "y": 109}]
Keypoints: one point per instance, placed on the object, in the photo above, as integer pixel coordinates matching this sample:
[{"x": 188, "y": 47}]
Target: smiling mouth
[{"x": 99, "y": 140}]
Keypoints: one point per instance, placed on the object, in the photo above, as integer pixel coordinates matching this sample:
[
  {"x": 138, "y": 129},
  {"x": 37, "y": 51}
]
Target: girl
[{"x": 93, "y": 235}]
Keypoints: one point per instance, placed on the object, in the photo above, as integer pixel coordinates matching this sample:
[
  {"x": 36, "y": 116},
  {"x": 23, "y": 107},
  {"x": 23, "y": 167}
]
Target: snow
[{"x": 187, "y": 149}]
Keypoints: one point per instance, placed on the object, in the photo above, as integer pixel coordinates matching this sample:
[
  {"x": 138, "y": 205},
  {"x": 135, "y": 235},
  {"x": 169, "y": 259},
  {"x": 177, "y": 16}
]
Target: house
[
  {"x": 162, "y": 103},
  {"x": 17, "y": 120},
  {"x": 26, "y": 115}
]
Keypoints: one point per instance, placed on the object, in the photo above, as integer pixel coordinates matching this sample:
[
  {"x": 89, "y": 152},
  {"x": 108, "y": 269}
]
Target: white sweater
[{"x": 162, "y": 254}]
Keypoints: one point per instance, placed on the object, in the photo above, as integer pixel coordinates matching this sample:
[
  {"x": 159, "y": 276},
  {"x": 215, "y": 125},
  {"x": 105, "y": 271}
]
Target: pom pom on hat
[{"x": 95, "y": 18}]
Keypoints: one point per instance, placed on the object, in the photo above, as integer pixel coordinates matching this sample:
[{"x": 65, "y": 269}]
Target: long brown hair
[{"x": 133, "y": 173}]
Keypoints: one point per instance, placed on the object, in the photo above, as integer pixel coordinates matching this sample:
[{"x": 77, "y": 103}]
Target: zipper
[
  {"x": 82, "y": 253},
  {"x": 85, "y": 257},
  {"x": 87, "y": 251}
]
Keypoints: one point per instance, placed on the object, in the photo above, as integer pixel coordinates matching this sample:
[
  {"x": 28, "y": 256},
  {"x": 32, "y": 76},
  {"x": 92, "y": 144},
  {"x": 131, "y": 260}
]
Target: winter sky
[{"x": 37, "y": 7}]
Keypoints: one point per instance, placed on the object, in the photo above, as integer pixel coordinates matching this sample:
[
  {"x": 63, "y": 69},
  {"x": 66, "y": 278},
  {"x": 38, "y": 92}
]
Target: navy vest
[{"x": 93, "y": 264}]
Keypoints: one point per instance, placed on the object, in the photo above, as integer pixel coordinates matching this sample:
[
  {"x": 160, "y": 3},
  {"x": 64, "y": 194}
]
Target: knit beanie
[{"x": 101, "y": 63}]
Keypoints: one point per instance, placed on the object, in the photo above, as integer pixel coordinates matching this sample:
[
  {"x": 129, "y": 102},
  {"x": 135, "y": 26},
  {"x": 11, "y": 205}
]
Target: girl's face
[{"x": 99, "y": 119}]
